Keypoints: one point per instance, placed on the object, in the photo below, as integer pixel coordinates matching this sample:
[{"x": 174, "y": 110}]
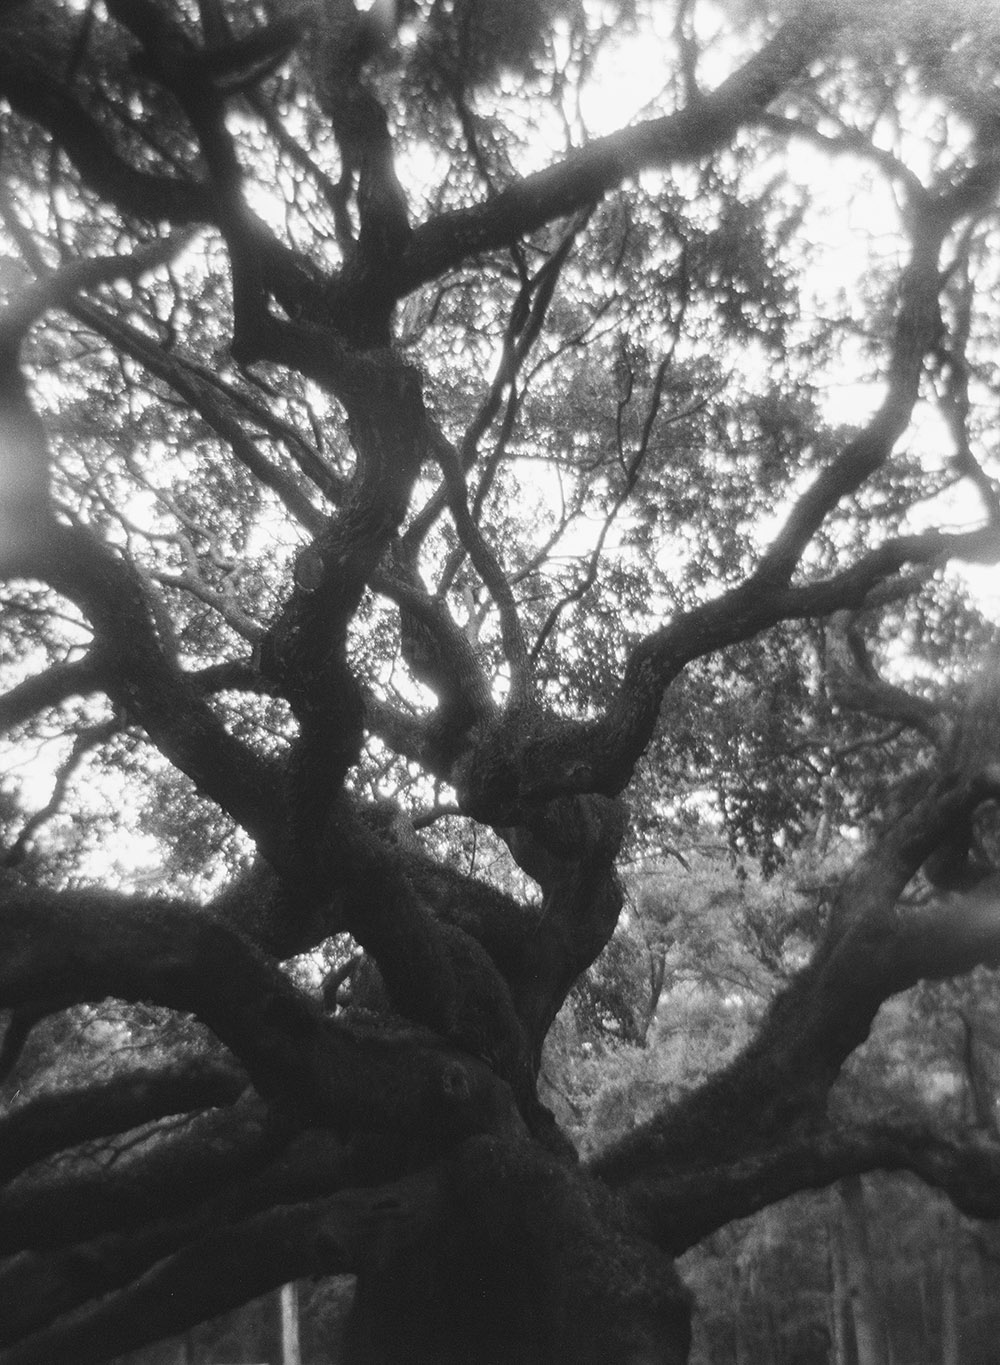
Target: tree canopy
[{"x": 450, "y": 449}]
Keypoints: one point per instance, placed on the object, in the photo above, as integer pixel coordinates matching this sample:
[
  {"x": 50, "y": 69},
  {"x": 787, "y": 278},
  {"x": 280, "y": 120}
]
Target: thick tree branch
[
  {"x": 60, "y": 287},
  {"x": 571, "y": 850},
  {"x": 437, "y": 651},
  {"x": 585, "y": 176},
  {"x": 857, "y": 685},
  {"x": 172, "y": 58},
  {"x": 678, "y": 1212},
  {"x": 33, "y": 53},
  {"x": 185, "y": 1198},
  {"x": 53, "y": 1122},
  {"x": 872, "y": 950},
  {"x": 435, "y": 973},
  {"x": 211, "y": 1161},
  {"x": 57, "y": 684},
  {"x": 227, "y": 1267},
  {"x": 517, "y": 767},
  {"x": 85, "y": 946},
  {"x": 144, "y": 678}
]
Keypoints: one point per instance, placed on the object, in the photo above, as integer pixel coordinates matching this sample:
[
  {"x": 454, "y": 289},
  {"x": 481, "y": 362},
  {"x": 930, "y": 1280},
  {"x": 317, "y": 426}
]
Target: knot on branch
[
  {"x": 970, "y": 850},
  {"x": 857, "y": 685}
]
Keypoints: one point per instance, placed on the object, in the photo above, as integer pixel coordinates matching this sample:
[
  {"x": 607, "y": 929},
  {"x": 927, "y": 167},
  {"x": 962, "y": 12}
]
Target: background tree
[{"x": 404, "y": 466}]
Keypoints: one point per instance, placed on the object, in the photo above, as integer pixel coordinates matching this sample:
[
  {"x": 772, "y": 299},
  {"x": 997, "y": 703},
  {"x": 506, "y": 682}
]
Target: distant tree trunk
[
  {"x": 184, "y": 1353},
  {"x": 291, "y": 1353},
  {"x": 950, "y": 1331},
  {"x": 743, "y": 1350},
  {"x": 841, "y": 1334},
  {"x": 657, "y": 976},
  {"x": 871, "y": 1333},
  {"x": 773, "y": 1338}
]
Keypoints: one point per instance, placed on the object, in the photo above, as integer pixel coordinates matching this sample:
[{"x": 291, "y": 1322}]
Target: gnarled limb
[
  {"x": 872, "y": 949},
  {"x": 587, "y": 174},
  {"x": 146, "y": 681},
  {"x": 85, "y": 946},
  {"x": 35, "y": 48},
  {"x": 56, "y": 684},
  {"x": 681, "y": 1210},
  {"x": 220, "y": 1270},
  {"x": 52, "y": 1122}
]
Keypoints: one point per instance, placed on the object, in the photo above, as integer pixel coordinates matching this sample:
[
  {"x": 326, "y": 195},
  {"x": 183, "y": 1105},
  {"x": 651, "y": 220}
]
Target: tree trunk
[
  {"x": 743, "y": 1353},
  {"x": 871, "y": 1333},
  {"x": 531, "y": 1266},
  {"x": 841, "y": 1333},
  {"x": 950, "y": 1329},
  {"x": 291, "y": 1353}
]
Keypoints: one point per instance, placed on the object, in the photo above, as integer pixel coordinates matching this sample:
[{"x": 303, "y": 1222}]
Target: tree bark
[
  {"x": 841, "y": 1330},
  {"x": 951, "y": 1336},
  {"x": 291, "y": 1353},
  {"x": 871, "y": 1332},
  {"x": 534, "y": 1267}
]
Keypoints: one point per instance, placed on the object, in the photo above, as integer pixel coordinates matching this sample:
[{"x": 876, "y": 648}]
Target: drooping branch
[
  {"x": 230, "y": 1265},
  {"x": 872, "y": 950},
  {"x": 52, "y": 1122},
  {"x": 851, "y": 142},
  {"x": 211, "y": 1163},
  {"x": 85, "y": 946},
  {"x": 857, "y": 685},
  {"x": 55, "y": 685},
  {"x": 678, "y": 1212}
]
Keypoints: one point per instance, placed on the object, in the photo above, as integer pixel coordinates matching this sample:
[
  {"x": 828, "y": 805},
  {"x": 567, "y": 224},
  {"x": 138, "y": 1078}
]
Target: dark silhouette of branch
[
  {"x": 52, "y": 1122},
  {"x": 57, "y": 684},
  {"x": 84, "y": 946},
  {"x": 85, "y": 741},
  {"x": 60, "y": 288},
  {"x": 680, "y": 1211},
  {"x": 857, "y": 685},
  {"x": 585, "y": 175},
  {"x": 870, "y": 951},
  {"x": 219, "y": 1270}
]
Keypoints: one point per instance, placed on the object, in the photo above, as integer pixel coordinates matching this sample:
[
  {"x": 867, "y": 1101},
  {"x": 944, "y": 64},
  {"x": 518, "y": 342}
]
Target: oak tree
[{"x": 417, "y": 439}]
